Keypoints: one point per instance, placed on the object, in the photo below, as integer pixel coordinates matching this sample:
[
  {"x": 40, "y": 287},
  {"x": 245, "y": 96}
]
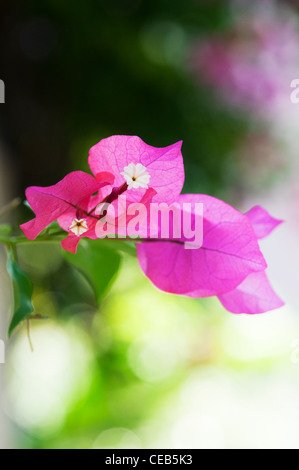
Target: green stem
[
  {"x": 58, "y": 236},
  {"x": 16, "y": 240}
]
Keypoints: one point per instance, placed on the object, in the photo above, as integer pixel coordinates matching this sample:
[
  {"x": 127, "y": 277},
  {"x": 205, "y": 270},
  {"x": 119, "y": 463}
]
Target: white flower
[
  {"x": 78, "y": 227},
  {"x": 136, "y": 176}
]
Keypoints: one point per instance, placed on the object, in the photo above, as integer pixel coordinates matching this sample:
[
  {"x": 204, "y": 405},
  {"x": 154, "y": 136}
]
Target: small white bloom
[
  {"x": 78, "y": 227},
  {"x": 136, "y": 176}
]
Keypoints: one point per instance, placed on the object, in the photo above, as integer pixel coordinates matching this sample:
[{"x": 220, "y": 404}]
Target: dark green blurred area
[{"x": 76, "y": 72}]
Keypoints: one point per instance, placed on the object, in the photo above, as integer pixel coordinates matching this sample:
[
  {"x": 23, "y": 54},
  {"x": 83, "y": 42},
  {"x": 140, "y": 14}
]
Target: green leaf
[
  {"x": 98, "y": 264},
  {"x": 123, "y": 246},
  {"x": 23, "y": 289}
]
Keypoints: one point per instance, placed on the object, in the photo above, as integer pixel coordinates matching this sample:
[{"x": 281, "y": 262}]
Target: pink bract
[
  {"x": 253, "y": 295},
  {"x": 165, "y": 165},
  {"x": 51, "y": 202},
  {"x": 229, "y": 256},
  {"x": 229, "y": 253},
  {"x": 263, "y": 223}
]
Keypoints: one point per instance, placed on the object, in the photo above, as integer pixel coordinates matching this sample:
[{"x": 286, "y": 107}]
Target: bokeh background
[{"x": 127, "y": 366}]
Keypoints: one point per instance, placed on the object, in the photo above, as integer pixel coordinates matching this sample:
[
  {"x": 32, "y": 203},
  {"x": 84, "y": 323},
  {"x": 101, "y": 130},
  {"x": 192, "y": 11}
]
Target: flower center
[
  {"x": 78, "y": 227},
  {"x": 136, "y": 176}
]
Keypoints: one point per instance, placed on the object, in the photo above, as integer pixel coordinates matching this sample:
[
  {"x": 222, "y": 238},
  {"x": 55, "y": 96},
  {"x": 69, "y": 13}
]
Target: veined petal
[
  {"x": 164, "y": 165},
  {"x": 229, "y": 253},
  {"x": 253, "y": 295},
  {"x": 262, "y": 222},
  {"x": 50, "y": 203}
]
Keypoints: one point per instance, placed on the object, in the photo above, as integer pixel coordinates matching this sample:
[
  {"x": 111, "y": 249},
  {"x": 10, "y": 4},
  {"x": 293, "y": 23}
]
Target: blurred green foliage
[
  {"x": 99, "y": 264},
  {"x": 79, "y": 72}
]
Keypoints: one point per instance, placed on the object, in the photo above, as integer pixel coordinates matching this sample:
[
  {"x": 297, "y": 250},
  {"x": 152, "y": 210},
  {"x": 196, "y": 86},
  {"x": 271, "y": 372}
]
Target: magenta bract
[
  {"x": 253, "y": 295},
  {"x": 67, "y": 196},
  {"x": 229, "y": 256},
  {"x": 229, "y": 253},
  {"x": 263, "y": 223},
  {"x": 164, "y": 165}
]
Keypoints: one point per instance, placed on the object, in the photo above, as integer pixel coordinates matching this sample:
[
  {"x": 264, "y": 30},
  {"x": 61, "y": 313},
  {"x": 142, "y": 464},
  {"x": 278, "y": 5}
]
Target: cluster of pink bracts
[{"x": 229, "y": 263}]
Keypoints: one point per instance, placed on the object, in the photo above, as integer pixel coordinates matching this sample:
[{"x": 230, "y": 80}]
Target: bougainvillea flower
[
  {"x": 141, "y": 166},
  {"x": 223, "y": 259},
  {"x": 67, "y": 201},
  {"x": 142, "y": 173},
  {"x": 78, "y": 227},
  {"x": 120, "y": 164},
  {"x": 80, "y": 223},
  {"x": 229, "y": 260},
  {"x": 136, "y": 176},
  {"x": 255, "y": 294}
]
